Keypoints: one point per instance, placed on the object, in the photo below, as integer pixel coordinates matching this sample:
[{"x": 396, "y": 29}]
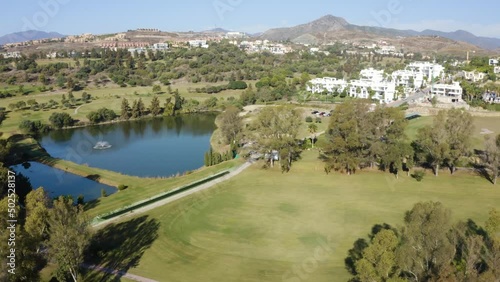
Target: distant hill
[
  {"x": 330, "y": 28},
  {"x": 216, "y": 30},
  {"x": 27, "y": 36},
  {"x": 465, "y": 36}
]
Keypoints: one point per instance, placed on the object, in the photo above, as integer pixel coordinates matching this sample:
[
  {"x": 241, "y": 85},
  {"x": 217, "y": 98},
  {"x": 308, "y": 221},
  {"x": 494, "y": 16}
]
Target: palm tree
[{"x": 313, "y": 128}]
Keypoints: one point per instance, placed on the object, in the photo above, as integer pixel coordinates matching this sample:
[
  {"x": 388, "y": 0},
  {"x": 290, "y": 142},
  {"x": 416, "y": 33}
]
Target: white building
[
  {"x": 493, "y": 62},
  {"x": 372, "y": 75},
  {"x": 235, "y": 35},
  {"x": 491, "y": 97},
  {"x": 447, "y": 93},
  {"x": 384, "y": 91},
  {"x": 328, "y": 84},
  {"x": 474, "y": 76},
  {"x": 496, "y": 70},
  {"x": 160, "y": 46},
  {"x": 386, "y": 50},
  {"x": 428, "y": 70},
  {"x": 408, "y": 79},
  {"x": 8, "y": 55},
  {"x": 198, "y": 43}
]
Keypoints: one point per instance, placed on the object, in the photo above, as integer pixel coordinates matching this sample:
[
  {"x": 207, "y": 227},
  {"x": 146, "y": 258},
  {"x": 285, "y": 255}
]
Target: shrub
[
  {"x": 103, "y": 193},
  {"x": 309, "y": 119},
  {"x": 122, "y": 187},
  {"x": 419, "y": 175},
  {"x": 318, "y": 120}
]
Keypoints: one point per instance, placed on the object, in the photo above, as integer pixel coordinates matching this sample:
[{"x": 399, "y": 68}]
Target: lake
[
  {"x": 59, "y": 183},
  {"x": 147, "y": 148}
]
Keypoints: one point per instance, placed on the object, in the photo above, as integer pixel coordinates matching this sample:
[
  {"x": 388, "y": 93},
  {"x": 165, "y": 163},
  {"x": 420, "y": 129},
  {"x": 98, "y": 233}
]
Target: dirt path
[
  {"x": 76, "y": 110},
  {"x": 177, "y": 196},
  {"x": 120, "y": 273}
]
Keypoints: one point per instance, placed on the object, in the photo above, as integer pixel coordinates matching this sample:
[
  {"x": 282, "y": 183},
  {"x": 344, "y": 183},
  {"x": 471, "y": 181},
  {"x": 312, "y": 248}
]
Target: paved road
[
  {"x": 119, "y": 272},
  {"x": 178, "y": 196},
  {"x": 417, "y": 96}
]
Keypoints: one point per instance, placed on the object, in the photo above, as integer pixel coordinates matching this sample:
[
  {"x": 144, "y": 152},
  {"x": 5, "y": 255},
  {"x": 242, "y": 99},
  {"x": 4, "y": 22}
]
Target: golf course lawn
[
  {"x": 262, "y": 224},
  {"x": 110, "y": 98},
  {"x": 481, "y": 125}
]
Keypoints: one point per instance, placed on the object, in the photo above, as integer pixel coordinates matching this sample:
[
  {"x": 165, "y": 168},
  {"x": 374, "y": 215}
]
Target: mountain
[
  {"x": 465, "y": 36},
  {"x": 27, "y": 36},
  {"x": 323, "y": 25},
  {"x": 329, "y": 28}
]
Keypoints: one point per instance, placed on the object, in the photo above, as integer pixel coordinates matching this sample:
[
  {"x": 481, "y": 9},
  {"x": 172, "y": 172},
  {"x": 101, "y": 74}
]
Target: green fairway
[
  {"x": 110, "y": 98},
  {"x": 481, "y": 125},
  {"x": 265, "y": 226}
]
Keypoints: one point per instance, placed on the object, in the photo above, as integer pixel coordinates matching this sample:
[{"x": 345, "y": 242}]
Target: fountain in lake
[{"x": 102, "y": 145}]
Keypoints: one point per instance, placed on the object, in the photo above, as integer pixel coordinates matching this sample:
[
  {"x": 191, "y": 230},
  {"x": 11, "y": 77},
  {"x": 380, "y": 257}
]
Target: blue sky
[{"x": 104, "y": 16}]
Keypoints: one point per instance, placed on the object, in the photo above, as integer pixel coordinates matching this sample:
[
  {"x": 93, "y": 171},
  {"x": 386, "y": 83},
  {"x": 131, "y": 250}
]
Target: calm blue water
[
  {"x": 59, "y": 183},
  {"x": 146, "y": 148}
]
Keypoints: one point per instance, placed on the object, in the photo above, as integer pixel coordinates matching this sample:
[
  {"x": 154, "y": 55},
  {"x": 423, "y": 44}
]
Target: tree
[
  {"x": 60, "y": 120},
  {"x": 276, "y": 130},
  {"x": 69, "y": 237},
  {"x": 85, "y": 97},
  {"x": 379, "y": 258},
  {"x": 491, "y": 156},
  {"x": 141, "y": 108},
  {"x": 125, "y": 110},
  {"x": 231, "y": 125},
  {"x": 432, "y": 142},
  {"x": 396, "y": 155},
  {"x": 345, "y": 148},
  {"x": 37, "y": 213},
  {"x": 459, "y": 128},
  {"x": 169, "y": 107},
  {"x": 155, "y": 108},
  {"x": 156, "y": 88},
  {"x": 313, "y": 129},
  {"x": 28, "y": 263},
  {"x": 135, "y": 110},
  {"x": 425, "y": 246}
]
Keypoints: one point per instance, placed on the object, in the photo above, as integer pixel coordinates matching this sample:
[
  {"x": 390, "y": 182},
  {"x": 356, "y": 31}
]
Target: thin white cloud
[{"x": 491, "y": 30}]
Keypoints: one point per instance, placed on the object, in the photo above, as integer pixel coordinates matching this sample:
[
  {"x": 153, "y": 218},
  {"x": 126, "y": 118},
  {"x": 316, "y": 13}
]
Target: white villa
[
  {"x": 160, "y": 46},
  {"x": 198, "y": 43},
  {"x": 493, "y": 62},
  {"x": 371, "y": 79},
  {"x": 491, "y": 97},
  {"x": 385, "y": 91},
  {"x": 447, "y": 93},
  {"x": 496, "y": 70},
  {"x": 474, "y": 76},
  {"x": 408, "y": 79},
  {"x": 329, "y": 84},
  {"x": 428, "y": 70},
  {"x": 372, "y": 75}
]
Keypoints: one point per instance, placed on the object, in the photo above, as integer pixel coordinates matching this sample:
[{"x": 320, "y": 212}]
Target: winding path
[
  {"x": 76, "y": 110},
  {"x": 178, "y": 196}
]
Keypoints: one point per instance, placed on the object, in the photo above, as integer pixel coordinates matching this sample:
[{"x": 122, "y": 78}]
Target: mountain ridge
[
  {"x": 28, "y": 35},
  {"x": 321, "y": 27}
]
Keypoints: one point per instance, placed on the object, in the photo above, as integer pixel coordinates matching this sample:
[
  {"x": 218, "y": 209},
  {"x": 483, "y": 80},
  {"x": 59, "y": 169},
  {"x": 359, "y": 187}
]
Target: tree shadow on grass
[
  {"x": 91, "y": 204},
  {"x": 483, "y": 172},
  {"x": 120, "y": 247}
]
